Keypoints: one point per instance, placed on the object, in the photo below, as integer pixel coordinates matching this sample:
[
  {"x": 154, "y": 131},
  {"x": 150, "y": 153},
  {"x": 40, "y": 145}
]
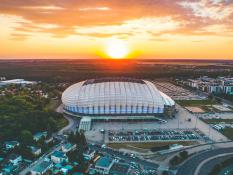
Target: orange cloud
[{"x": 132, "y": 20}]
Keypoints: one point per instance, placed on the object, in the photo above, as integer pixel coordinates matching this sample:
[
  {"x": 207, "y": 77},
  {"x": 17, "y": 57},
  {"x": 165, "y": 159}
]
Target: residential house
[
  {"x": 11, "y": 144},
  {"x": 103, "y": 165},
  {"x": 15, "y": 159},
  {"x": 35, "y": 150},
  {"x": 59, "y": 157},
  {"x": 39, "y": 135},
  {"x": 68, "y": 147}
]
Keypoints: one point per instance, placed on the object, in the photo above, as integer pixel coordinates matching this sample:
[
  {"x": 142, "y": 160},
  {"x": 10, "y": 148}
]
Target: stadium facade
[{"x": 117, "y": 98}]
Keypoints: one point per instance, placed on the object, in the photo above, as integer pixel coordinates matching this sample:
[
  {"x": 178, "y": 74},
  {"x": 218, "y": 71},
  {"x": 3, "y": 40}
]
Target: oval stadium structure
[{"x": 116, "y": 97}]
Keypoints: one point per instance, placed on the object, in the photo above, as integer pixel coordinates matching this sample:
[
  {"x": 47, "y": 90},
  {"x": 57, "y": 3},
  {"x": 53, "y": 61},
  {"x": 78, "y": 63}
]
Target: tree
[
  {"x": 83, "y": 141},
  {"x": 165, "y": 173},
  {"x": 26, "y": 137},
  {"x": 25, "y": 151},
  {"x": 174, "y": 160},
  {"x": 184, "y": 154}
]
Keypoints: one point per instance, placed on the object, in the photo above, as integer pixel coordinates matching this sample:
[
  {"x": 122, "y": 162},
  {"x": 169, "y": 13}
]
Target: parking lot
[
  {"x": 154, "y": 135},
  {"x": 177, "y": 92}
]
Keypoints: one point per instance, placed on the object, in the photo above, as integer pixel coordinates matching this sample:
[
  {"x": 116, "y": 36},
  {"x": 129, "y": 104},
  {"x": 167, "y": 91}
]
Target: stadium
[{"x": 117, "y": 98}]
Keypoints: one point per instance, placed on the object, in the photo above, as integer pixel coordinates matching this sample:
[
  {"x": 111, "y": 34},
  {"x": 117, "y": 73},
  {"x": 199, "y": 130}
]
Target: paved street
[
  {"x": 189, "y": 167},
  {"x": 207, "y": 165},
  {"x": 73, "y": 122}
]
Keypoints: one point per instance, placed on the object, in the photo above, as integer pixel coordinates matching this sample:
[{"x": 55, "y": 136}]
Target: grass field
[
  {"x": 212, "y": 121},
  {"x": 197, "y": 103},
  {"x": 145, "y": 147},
  {"x": 228, "y": 132},
  {"x": 62, "y": 123}
]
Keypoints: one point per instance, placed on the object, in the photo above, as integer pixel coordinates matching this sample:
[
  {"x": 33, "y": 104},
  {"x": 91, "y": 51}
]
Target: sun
[{"x": 116, "y": 49}]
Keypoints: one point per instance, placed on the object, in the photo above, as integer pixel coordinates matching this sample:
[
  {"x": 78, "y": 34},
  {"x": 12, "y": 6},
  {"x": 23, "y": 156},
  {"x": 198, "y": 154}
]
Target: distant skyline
[{"x": 150, "y": 29}]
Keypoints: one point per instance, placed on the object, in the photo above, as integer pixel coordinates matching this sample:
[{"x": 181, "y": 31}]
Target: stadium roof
[{"x": 113, "y": 79}]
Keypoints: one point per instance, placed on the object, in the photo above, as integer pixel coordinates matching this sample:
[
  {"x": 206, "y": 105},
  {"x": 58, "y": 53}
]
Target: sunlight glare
[{"x": 116, "y": 49}]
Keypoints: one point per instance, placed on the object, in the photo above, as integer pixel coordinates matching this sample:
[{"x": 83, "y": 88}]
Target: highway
[
  {"x": 207, "y": 165},
  {"x": 189, "y": 167}
]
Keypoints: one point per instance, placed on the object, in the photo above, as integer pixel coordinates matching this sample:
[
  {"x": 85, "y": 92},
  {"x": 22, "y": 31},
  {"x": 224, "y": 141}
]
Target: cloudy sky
[{"x": 148, "y": 28}]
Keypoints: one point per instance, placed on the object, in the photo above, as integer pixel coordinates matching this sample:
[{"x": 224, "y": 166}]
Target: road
[
  {"x": 73, "y": 122},
  {"x": 205, "y": 167},
  {"x": 189, "y": 167}
]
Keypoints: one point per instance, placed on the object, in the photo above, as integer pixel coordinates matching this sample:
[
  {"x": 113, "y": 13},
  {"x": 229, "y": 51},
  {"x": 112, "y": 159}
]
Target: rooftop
[
  {"x": 113, "y": 79},
  {"x": 104, "y": 162},
  {"x": 40, "y": 134},
  {"x": 13, "y": 143},
  {"x": 59, "y": 154},
  {"x": 14, "y": 156},
  {"x": 119, "y": 168},
  {"x": 34, "y": 149},
  {"x": 68, "y": 146}
]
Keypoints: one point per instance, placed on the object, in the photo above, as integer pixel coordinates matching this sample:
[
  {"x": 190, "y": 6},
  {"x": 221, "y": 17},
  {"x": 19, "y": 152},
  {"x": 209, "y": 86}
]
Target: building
[
  {"x": 11, "y": 144},
  {"x": 17, "y": 82},
  {"x": 68, "y": 147},
  {"x": 39, "y": 135},
  {"x": 214, "y": 88},
  {"x": 119, "y": 168},
  {"x": 66, "y": 169},
  {"x": 85, "y": 124},
  {"x": 117, "y": 98},
  {"x": 219, "y": 85},
  {"x": 42, "y": 168},
  {"x": 15, "y": 159},
  {"x": 193, "y": 83},
  {"x": 35, "y": 151},
  {"x": 103, "y": 165},
  {"x": 59, "y": 157},
  {"x": 89, "y": 154}
]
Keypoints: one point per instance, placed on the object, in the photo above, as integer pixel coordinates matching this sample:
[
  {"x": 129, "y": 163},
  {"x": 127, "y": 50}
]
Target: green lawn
[
  {"x": 228, "y": 132},
  {"x": 144, "y": 147},
  {"x": 212, "y": 121},
  {"x": 62, "y": 123}
]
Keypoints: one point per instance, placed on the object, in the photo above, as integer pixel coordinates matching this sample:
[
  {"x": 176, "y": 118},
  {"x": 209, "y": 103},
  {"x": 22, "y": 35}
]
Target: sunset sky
[{"x": 145, "y": 28}]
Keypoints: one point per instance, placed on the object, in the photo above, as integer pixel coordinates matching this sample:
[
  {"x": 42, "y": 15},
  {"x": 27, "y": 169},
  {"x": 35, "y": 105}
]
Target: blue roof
[
  {"x": 58, "y": 165},
  {"x": 40, "y": 134},
  {"x": 11, "y": 143},
  {"x": 59, "y": 154},
  {"x": 68, "y": 145},
  {"x": 68, "y": 167},
  {"x": 104, "y": 161}
]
